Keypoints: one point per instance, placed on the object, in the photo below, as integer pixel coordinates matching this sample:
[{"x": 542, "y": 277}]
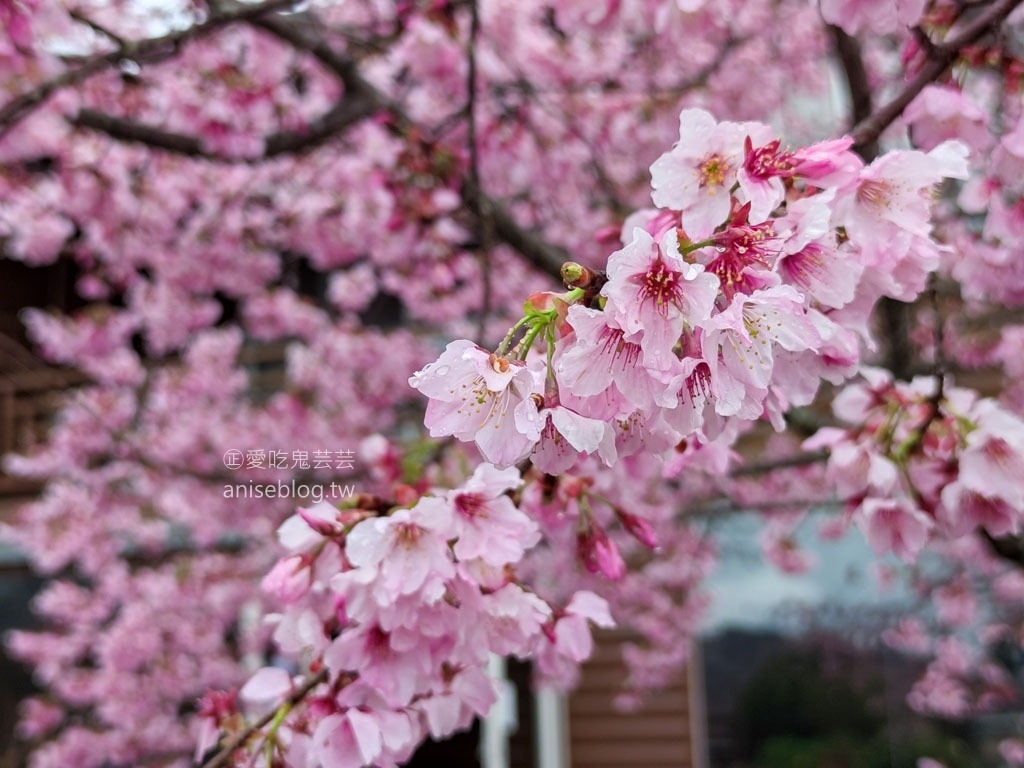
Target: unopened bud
[
  {"x": 638, "y": 528},
  {"x": 406, "y": 495},
  {"x": 599, "y": 553}
]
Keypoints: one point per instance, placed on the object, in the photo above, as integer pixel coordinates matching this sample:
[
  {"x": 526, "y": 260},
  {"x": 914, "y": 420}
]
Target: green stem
[
  {"x": 510, "y": 335},
  {"x": 270, "y": 740},
  {"x": 531, "y": 336},
  {"x": 550, "y": 334},
  {"x": 691, "y": 247}
]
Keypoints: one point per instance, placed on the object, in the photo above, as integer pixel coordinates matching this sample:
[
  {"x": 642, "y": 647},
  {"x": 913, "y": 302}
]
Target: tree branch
[
  {"x": 789, "y": 462},
  {"x": 848, "y": 51},
  {"x": 161, "y": 47},
  {"x": 222, "y": 757},
  {"x": 361, "y": 100},
  {"x": 485, "y": 226},
  {"x": 1009, "y": 548},
  {"x": 939, "y": 59},
  {"x": 347, "y": 112},
  {"x": 545, "y": 256},
  {"x": 81, "y": 18}
]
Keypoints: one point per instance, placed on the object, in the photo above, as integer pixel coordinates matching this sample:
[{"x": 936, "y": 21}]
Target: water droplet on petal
[{"x": 443, "y": 370}]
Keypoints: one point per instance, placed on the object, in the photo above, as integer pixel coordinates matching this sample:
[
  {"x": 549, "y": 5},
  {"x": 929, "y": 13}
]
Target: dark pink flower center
[
  {"x": 660, "y": 285},
  {"x": 470, "y": 504},
  {"x": 767, "y": 161},
  {"x": 742, "y": 247},
  {"x": 378, "y": 644},
  {"x": 613, "y": 344},
  {"x": 698, "y": 383}
]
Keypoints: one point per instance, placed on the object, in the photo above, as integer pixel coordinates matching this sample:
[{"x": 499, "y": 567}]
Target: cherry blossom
[{"x": 274, "y": 220}]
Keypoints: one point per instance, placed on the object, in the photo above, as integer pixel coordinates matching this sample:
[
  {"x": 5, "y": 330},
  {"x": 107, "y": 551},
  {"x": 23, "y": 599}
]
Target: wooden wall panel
[{"x": 656, "y": 736}]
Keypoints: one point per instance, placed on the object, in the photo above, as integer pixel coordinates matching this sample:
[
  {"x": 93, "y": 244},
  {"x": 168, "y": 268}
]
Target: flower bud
[{"x": 600, "y": 554}]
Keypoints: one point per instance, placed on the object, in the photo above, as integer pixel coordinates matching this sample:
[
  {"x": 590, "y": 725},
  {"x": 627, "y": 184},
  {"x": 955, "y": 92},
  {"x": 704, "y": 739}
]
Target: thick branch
[
  {"x": 161, "y": 47},
  {"x": 545, "y": 256},
  {"x": 848, "y": 50},
  {"x": 123, "y": 129},
  {"x": 939, "y": 59},
  {"x": 349, "y": 111}
]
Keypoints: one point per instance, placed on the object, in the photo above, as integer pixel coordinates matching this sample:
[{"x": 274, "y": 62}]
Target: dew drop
[{"x": 443, "y": 370}]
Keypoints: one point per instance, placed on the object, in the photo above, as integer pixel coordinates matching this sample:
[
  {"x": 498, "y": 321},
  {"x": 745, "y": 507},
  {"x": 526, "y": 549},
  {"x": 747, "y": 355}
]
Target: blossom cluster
[
  {"x": 195, "y": 270},
  {"x": 748, "y": 285},
  {"x": 402, "y": 603},
  {"x": 920, "y": 460}
]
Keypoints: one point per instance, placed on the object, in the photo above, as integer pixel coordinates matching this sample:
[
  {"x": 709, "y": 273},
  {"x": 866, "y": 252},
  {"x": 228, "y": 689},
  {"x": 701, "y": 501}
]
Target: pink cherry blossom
[
  {"x": 652, "y": 291},
  {"x": 696, "y": 175},
  {"x": 474, "y": 395},
  {"x": 895, "y": 525}
]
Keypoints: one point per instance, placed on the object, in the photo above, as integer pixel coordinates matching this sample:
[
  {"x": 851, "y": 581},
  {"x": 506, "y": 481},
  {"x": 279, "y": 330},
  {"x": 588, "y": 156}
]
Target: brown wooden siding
[{"x": 659, "y": 735}]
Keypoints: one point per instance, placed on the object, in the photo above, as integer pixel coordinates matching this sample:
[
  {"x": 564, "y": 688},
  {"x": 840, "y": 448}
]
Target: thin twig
[
  {"x": 848, "y": 51},
  {"x": 304, "y": 690},
  {"x": 95, "y": 26},
  {"x": 939, "y": 368},
  {"x": 162, "y": 46},
  {"x": 485, "y": 227}
]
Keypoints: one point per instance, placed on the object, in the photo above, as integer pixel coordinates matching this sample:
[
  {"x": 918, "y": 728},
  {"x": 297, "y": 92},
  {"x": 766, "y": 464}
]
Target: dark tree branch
[
  {"x": 123, "y": 129},
  {"x": 895, "y": 316},
  {"x": 789, "y": 462},
  {"x": 485, "y": 228},
  {"x": 222, "y": 757},
  {"x": 848, "y": 51},
  {"x": 361, "y": 99},
  {"x": 940, "y": 57},
  {"x": 305, "y": 36},
  {"x": 545, "y": 256},
  {"x": 1009, "y": 548},
  {"x": 344, "y": 114},
  {"x": 160, "y": 47},
  {"x": 81, "y": 18}
]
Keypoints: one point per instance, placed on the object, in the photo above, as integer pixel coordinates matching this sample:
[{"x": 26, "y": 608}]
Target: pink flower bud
[
  {"x": 288, "y": 580},
  {"x": 600, "y": 554},
  {"x": 638, "y": 528},
  {"x": 322, "y": 518}
]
